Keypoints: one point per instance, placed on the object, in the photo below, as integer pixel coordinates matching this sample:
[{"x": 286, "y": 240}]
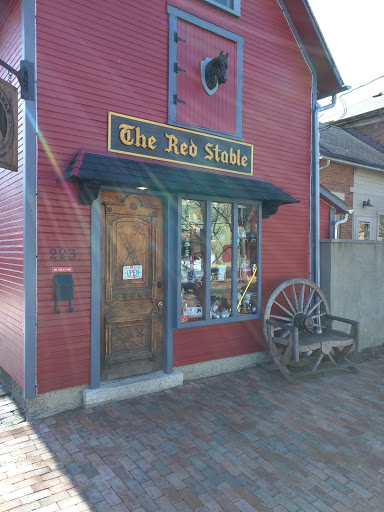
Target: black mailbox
[{"x": 63, "y": 289}]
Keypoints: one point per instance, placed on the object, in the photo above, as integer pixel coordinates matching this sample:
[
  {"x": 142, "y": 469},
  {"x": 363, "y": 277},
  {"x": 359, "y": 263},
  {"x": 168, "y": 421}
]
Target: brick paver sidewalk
[{"x": 243, "y": 441}]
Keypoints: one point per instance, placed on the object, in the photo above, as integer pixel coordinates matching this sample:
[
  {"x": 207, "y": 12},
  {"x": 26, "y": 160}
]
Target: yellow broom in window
[{"x": 245, "y": 291}]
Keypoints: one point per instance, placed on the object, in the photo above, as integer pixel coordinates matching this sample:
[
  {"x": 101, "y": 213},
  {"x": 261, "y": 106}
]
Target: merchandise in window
[
  {"x": 221, "y": 260},
  {"x": 193, "y": 254},
  {"x": 217, "y": 282},
  {"x": 247, "y": 260}
]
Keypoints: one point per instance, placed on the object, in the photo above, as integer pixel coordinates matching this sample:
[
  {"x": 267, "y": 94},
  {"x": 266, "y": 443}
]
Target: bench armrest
[
  {"x": 343, "y": 320},
  {"x": 355, "y": 328},
  {"x": 294, "y": 335}
]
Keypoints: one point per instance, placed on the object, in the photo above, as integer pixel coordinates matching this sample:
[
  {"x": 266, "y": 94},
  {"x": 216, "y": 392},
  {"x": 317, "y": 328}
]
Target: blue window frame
[
  {"x": 219, "y": 267},
  {"x": 231, "y": 6},
  {"x": 175, "y": 14}
]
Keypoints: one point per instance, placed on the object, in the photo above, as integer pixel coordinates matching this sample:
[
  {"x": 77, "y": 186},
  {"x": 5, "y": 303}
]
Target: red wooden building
[{"x": 148, "y": 196}]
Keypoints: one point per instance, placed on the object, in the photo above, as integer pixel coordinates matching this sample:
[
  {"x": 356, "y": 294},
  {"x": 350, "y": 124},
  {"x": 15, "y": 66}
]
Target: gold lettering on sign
[
  {"x": 151, "y": 142},
  {"x": 233, "y": 158},
  {"x": 173, "y": 147},
  {"x": 222, "y": 153},
  {"x": 184, "y": 149},
  {"x": 125, "y": 134},
  {"x": 172, "y": 144},
  {"x": 140, "y": 140},
  {"x": 209, "y": 155},
  {"x": 192, "y": 149}
]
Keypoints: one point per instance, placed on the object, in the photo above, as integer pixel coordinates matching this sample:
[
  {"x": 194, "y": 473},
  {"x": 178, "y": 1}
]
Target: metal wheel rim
[{"x": 290, "y": 308}]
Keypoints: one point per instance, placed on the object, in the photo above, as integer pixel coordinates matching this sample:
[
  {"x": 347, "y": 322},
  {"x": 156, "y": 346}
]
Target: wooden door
[{"x": 132, "y": 284}]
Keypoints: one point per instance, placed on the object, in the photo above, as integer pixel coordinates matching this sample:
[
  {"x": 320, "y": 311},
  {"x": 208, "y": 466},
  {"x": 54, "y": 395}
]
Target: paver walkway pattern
[{"x": 242, "y": 441}]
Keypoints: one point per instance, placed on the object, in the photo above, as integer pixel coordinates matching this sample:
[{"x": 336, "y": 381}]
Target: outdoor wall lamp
[{"x": 367, "y": 203}]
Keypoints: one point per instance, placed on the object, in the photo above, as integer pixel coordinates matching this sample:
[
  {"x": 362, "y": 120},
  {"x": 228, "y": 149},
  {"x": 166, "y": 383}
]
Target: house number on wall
[{"x": 62, "y": 253}]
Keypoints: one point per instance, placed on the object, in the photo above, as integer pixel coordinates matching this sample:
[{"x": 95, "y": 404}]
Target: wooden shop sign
[
  {"x": 8, "y": 126},
  {"x": 156, "y": 141}
]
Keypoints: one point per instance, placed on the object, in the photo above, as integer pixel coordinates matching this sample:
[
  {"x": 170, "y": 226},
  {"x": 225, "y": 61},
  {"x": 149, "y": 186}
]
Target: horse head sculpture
[{"x": 216, "y": 71}]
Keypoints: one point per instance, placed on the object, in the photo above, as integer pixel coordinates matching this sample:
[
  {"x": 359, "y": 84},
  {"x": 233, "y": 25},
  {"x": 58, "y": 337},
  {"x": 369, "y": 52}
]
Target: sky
[{"x": 353, "y": 30}]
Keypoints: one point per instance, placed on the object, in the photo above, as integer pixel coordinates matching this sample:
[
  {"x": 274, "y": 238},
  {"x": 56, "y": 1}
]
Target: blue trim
[
  {"x": 259, "y": 263},
  {"x": 95, "y": 293},
  {"x": 178, "y": 274},
  {"x": 174, "y": 14},
  {"x": 176, "y": 264},
  {"x": 234, "y": 263},
  {"x": 235, "y": 9},
  {"x": 239, "y": 89},
  {"x": 169, "y": 279},
  {"x": 172, "y": 59},
  {"x": 324, "y": 46},
  {"x": 29, "y": 206},
  {"x": 200, "y": 22}
]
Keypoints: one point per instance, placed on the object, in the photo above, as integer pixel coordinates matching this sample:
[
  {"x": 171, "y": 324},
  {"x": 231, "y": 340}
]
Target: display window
[{"x": 219, "y": 264}]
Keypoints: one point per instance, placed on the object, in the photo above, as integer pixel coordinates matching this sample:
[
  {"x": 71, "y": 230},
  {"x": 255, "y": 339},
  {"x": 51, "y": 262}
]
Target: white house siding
[{"x": 368, "y": 185}]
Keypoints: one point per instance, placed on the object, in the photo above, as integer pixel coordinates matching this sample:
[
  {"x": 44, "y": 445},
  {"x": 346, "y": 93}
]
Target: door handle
[{"x": 160, "y": 304}]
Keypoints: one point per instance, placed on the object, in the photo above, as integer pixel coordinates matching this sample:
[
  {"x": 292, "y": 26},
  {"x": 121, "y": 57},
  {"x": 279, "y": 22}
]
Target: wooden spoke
[
  {"x": 308, "y": 301},
  {"x": 301, "y": 304},
  {"x": 284, "y": 309},
  {"x": 319, "y": 315},
  {"x": 314, "y": 307},
  {"x": 284, "y": 318},
  {"x": 301, "y": 298},
  {"x": 288, "y": 301},
  {"x": 294, "y": 296}
]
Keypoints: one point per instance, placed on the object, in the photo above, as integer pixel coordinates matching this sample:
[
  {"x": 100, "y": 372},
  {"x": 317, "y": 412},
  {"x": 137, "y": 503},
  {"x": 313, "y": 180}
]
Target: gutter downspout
[
  {"x": 341, "y": 221},
  {"x": 315, "y": 191},
  {"x": 326, "y": 165}
]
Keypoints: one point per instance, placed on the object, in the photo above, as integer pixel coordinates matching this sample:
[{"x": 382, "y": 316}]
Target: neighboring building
[
  {"x": 353, "y": 170},
  {"x": 133, "y": 224},
  {"x": 365, "y": 120}
]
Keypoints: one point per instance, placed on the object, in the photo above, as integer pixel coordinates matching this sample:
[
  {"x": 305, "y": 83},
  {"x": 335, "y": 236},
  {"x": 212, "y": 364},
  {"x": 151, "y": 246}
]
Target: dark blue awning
[{"x": 92, "y": 171}]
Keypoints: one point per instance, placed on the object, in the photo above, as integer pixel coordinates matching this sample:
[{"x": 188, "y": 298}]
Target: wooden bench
[{"x": 300, "y": 332}]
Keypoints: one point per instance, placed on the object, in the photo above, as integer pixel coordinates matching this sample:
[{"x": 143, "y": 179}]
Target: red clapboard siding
[
  {"x": 11, "y": 216},
  {"x": 324, "y": 220},
  {"x": 216, "y": 112},
  {"x": 92, "y": 59}
]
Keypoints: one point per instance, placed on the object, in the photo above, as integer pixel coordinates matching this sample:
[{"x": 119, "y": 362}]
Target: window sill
[
  {"x": 234, "y": 12},
  {"x": 217, "y": 321}
]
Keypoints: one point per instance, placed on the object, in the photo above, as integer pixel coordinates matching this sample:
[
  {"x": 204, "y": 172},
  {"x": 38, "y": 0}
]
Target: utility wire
[{"x": 345, "y": 109}]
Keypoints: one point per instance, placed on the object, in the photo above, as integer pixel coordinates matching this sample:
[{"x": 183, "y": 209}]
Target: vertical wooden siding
[
  {"x": 94, "y": 58},
  {"x": 216, "y": 112},
  {"x": 11, "y": 215}
]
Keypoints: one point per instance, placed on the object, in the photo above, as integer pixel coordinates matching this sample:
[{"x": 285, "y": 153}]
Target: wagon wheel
[{"x": 296, "y": 302}]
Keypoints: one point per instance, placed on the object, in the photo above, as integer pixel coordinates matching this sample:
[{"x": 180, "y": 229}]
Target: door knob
[{"x": 160, "y": 304}]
